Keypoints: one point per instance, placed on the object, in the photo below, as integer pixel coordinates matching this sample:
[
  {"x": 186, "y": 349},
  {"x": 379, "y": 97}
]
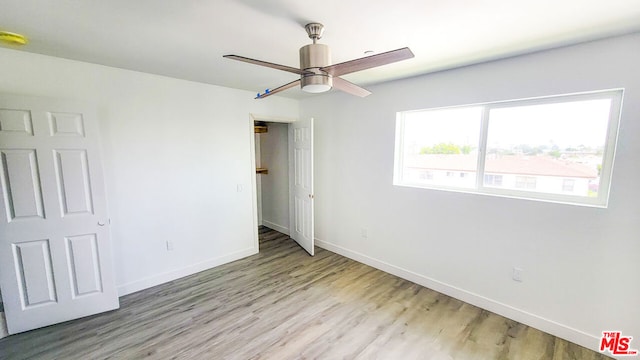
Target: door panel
[
  {"x": 35, "y": 274},
  {"x": 66, "y": 124},
  {"x": 84, "y": 264},
  {"x": 21, "y": 185},
  {"x": 298, "y": 214},
  {"x": 17, "y": 122},
  {"x": 302, "y": 183},
  {"x": 72, "y": 174},
  {"x": 55, "y": 251}
]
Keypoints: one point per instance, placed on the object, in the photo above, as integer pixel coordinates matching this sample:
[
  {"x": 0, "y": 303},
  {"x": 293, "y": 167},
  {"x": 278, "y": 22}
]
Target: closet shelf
[
  {"x": 264, "y": 171},
  {"x": 258, "y": 129}
]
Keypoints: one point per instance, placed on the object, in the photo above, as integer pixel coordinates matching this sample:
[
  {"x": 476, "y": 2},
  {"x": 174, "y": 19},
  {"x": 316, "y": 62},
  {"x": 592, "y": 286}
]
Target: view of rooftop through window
[
  {"x": 552, "y": 148},
  {"x": 442, "y": 141},
  {"x": 553, "y": 143}
]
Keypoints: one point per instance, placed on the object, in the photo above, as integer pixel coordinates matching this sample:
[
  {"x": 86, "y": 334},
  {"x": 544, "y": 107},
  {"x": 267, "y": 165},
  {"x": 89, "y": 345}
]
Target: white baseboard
[
  {"x": 185, "y": 271},
  {"x": 276, "y": 227},
  {"x": 549, "y": 326}
]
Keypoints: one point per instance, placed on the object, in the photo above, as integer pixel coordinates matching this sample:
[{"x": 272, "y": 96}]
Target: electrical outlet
[
  {"x": 239, "y": 188},
  {"x": 364, "y": 233},
  {"x": 517, "y": 274},
  {"x": 169, "y": 245}
]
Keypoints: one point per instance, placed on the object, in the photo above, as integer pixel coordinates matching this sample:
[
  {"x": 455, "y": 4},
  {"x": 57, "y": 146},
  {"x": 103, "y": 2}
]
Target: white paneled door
[
  {"x": 55, "y": 251},
  {"x": 301, "y": 224}
]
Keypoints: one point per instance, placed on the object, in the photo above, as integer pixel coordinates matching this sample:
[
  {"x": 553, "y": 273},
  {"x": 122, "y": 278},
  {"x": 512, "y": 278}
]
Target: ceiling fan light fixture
[
  {"x": 316, "y": 89},
  {"x": 315, "y": 84}
]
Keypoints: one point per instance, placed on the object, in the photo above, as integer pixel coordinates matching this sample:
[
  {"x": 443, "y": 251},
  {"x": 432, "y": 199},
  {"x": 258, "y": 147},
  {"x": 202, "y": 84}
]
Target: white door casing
[
  {"x": 55, "y": 251},
  {"x": 301, "y": 179}
]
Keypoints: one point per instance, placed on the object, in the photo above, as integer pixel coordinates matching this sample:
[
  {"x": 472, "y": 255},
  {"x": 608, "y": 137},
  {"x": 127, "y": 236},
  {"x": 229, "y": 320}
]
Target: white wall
[
  {"x": 275, "y": 185},
  {"x": 174, "y": 152},
  {"x": 580, "y": 264}
]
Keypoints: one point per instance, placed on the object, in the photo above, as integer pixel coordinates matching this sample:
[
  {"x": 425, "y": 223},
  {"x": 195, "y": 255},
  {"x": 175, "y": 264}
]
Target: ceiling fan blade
[
  {"x": 368, "y": 62},
  {"x": 348, "y": 87},
  {"x": 267, "y": 64},
  {"x": 269, "y": 92}
]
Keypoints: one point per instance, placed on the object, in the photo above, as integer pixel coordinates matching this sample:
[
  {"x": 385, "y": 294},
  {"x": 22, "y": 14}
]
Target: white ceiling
[{"x": 186, "y": 39}]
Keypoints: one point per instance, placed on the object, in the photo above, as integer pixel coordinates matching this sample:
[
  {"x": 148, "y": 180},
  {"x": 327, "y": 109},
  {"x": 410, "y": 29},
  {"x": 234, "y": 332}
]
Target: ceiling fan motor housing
[{"x": 312, "y": 58}]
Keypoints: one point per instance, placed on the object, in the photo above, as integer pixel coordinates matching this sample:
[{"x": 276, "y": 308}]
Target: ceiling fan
[{"x": 316, "y": 72}]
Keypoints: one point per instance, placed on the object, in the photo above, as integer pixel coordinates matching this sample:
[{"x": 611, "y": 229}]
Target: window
[
  {"x": 525, "y": 182},
  {"x": 426, "y": 175},
  {"x": 557, "y": 148},
  {"x": 492, "y": 180},
  {"x": 568, "y": 184}
]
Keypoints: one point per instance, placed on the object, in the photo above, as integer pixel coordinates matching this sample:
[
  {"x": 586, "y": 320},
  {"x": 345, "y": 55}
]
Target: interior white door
[
  {"x": 301, "y": 178},
  {"x": 55, "y": 251}
]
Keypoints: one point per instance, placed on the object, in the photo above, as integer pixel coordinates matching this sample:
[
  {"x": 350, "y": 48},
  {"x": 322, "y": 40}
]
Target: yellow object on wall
[{"x": 13, "y": 38}]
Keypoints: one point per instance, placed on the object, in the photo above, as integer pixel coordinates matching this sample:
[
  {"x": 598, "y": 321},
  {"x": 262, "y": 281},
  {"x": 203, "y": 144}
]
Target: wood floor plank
[{"x": 284, "y": 304}]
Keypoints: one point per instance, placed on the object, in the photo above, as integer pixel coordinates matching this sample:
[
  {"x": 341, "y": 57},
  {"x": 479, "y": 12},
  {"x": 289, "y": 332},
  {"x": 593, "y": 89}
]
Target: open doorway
[
  {"x": 282, "y": 152},
  {"x": 272, "y": 174}
]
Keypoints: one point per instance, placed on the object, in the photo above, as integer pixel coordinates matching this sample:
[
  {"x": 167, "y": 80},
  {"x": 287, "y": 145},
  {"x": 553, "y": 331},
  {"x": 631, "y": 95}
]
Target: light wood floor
[{"x": 284, "y": 304}]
